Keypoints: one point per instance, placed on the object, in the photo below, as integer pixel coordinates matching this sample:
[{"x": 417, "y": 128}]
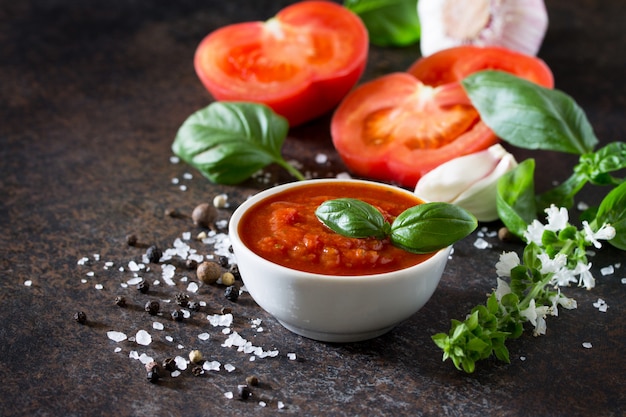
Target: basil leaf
[
  {"x": 388, "y": 22},
  {"x": 515, "y": 197},
  {"x": 229, "y": 141},
  {"x": 596, "y": 166},
  {"x": 353, "y": 218},
  {"x": 429, "y": 227},
  {"x": 529, "y": 116},
  {"x": 612, "y": 210}
]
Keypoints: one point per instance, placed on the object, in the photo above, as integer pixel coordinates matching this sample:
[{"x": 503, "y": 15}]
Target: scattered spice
[
  {"x": 252, "y": 380},
  {"x": 120, "y": 300},
  {"x": 182, "y": 299},
  {"x": 143, "y": 286},
  {"x": 243, "y": 392},
  {"x": 169, "y": 364},
  {"x": 209, "y": 272},
  {"x": 195, "y": 356},
  {"x": 232, "y": 293},
  {"x": 177, "y": 315},
  {"x": 153, "y": 375},
  {"x": 154, "y": 254},
  {"x": 131, "y": 239},
  {"x": 228, "y": 279},
  {"x": 153, "y": 307},
  {"x": 204, "y": 215},
  {"x": 80, "y": 317},
  {"x": 197, "y": 370},
  {"x": 193, "y": 306},
  {"x": 191, "y": 264}
]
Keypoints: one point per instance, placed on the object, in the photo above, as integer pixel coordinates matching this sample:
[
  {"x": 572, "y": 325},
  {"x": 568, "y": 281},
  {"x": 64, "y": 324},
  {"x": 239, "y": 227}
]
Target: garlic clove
[{"x": 519, "y": 25}]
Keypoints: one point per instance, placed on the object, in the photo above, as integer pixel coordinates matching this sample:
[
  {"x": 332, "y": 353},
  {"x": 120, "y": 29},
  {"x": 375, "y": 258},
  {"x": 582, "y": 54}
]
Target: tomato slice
[
  {"x": 398, "y": 127},
  {"x": 301, "y": 63}
]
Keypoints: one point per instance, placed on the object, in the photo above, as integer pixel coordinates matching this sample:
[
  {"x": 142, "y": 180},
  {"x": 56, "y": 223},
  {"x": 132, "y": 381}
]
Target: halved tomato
[
  {"x": 402, "y": 125},
  {"x": 301, "y": 63}
]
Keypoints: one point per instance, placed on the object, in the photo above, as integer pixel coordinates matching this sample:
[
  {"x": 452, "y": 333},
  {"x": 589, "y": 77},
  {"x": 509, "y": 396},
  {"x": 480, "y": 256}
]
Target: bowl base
[{"x": 335, "y": 337}]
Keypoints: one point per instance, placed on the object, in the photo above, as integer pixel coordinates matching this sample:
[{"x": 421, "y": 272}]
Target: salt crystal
[
  {"x": 28, "y": 283},
  {"x": 174, "y": 159},
  {"x": 116, "y": 336},
  {"x": 223, "y": 320},
  {"x": 187, "y": 176},
  {"x": 321, "y": 158},
  {"x": 175, "y": 374},
  {"x": 83, "y": 260},
  {"x": 607, "y": 270},
  {"x": 84, "y": 281},
  {"x": 262, "y": 403},
  {"x": 169, "y": 338},
  {"x": 96, "y": 256},
  {"x": 181, "y": 347},
  {"x": 90, "y": 274},
  {"x": 260, "y": 329},
  {"x": 133, "y": 266},
  {"x": 192, "y": 287},
  {"x": 108, "y": 264},
  {"x": 228, "y": 367},
  {"x": 280, "y": 405},
  {"x": 143, "y": 338},
  {"x": 183, "y": 188},
  {"x": 186, "y": 235},
  {"x": 117, "y": 349},
  {"x": 99, "y": 286},
  {"x": 143, "y": 358},
  {"x": 134, "y": 281},
  {"x": 133, "y": 354},
  {"x": 211, "y": 366},
  {"x": 228, "y": 395},
  {"x": 582, "y": 206},
  {"x": 522, "y": 358},
  {"x": 157, "y": 326},
  {"x": 181, "y": 363},
  {"x": 481, "y": 243},
  {"x": 587, "y": 345},
  {"x": 343, "y": 176},
  {"x": 175, "y": 181},
  {"x": 204, "y": 336},
  {"x": 226, "y": 330},
  {"x": 623, "y": 280},
  {"x": 291, "y": 356}
]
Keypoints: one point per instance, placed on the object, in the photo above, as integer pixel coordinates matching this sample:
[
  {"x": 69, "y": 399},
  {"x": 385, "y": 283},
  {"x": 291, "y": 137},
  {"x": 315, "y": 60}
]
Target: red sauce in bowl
[{"x": 283, "y": 229}]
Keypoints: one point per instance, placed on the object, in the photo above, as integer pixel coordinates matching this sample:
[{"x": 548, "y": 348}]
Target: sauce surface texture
[{"x": 283, "y": 228}]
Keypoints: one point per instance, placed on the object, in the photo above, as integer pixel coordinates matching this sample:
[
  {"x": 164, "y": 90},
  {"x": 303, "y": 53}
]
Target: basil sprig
[
  {"x": 388, "y": 22},
  {"x": 423, "y": 228},
  {"x": 529, "y": 116},
  {"x": 228, "y": 142}
]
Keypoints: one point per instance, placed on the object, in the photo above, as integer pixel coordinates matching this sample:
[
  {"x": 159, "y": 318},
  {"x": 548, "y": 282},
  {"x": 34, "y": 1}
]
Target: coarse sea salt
[
  {"x": 481, "y": 243},
  {"x": 181, "y": 363},
  {"x": 222, "y": 320},
  {"x": 157, "y": 326},
  {"x": 143, "y": 338},
  {"x": 229, "y": 367},
  {"x": 211, "y": 366},
  {"x": 204, "y": 336},
  {"x": 587, "y": 345},
  {"x": 607, "y": 270},
  {"x": 116, "y": 336}
]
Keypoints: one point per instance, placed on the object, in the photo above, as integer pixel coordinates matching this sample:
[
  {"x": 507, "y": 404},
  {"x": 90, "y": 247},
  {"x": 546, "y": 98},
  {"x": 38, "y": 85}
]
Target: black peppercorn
[
  {"x": 234, "y": 269},
  {"x": 191, "y": 264},
  {"x": 153, "y": 375},
  {"x": 143, "y": 286},
  {"x": 120, "y": 300},
  {"x": 80, "y": 317},
  {"x": 232, "y": 293},
  {"x": 243, "y": 392},
  {"x": 153, "y": 307},
  {"x": 154, "y": 254},
  {"x": 193, "y": 306},
  {"x": 223, "y": 261},
  {"x": 182, "y": 299},
  {"x": 131, "y": 240},
  {"x": 170, "y": 364},
  {"x": 197, "y": 370},
  {"x": 177, "y": 315}
]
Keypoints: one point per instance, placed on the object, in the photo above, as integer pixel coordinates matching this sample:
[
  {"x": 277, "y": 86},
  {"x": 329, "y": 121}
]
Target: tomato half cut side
[
  {"x": 456, "y": 63},
  {"x": 395, "y": 129},
  {"x": 301, "y": 62}
]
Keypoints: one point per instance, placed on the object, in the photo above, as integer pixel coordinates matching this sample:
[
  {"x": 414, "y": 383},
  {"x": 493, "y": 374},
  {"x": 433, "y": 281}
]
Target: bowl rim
[{"x": 235, "y": 218}]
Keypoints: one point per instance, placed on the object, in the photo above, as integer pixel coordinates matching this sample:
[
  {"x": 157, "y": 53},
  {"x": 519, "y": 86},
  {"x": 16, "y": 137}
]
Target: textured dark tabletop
[{"x": 91, "y": 97}]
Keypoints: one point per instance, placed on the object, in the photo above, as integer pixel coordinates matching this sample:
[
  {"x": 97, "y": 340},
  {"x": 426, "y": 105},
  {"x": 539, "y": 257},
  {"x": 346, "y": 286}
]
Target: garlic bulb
[
  {"x": 469, "y": 181},
  {"x": 519, "y": 25}
]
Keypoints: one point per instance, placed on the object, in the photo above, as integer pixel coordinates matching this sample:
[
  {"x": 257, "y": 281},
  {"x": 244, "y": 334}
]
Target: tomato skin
[
  {"x": 301, "y": 63},
  {"x": 399, "y": 126}
]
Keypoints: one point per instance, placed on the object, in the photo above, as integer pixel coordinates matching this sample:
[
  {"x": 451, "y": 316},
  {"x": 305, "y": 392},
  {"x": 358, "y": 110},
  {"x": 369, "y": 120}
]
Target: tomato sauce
[{"x": 283, "y": 228}]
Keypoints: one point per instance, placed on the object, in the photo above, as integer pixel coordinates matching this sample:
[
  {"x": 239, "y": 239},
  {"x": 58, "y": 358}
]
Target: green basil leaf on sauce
[
  {"x": 527, "y": 115},
  {"x": 429, "y": 227},
  {"x": 352, "y": 218},
  {"x": 230, "y": 141}
]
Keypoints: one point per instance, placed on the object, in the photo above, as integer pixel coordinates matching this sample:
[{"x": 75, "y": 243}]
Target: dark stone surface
[{"x": 91, "y": 96}]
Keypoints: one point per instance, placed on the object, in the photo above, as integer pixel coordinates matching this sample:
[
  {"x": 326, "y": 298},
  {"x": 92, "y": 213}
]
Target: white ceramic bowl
[{"x": 333, "y": 308}]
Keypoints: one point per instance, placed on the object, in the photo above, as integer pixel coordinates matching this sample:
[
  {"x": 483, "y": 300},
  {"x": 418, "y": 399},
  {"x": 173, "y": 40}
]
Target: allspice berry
[
  {"x": 209, "y": 272},
  {"x": 204, "y": 215}
]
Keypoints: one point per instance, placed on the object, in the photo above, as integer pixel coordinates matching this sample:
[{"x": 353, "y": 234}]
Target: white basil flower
[{"x": 469, "y": 181}]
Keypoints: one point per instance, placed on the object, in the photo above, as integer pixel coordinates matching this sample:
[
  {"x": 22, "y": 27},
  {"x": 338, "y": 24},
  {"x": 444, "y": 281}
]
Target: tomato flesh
[
  {"x": 399, "y": 126},
  {"x": 301, "y": 62}
]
